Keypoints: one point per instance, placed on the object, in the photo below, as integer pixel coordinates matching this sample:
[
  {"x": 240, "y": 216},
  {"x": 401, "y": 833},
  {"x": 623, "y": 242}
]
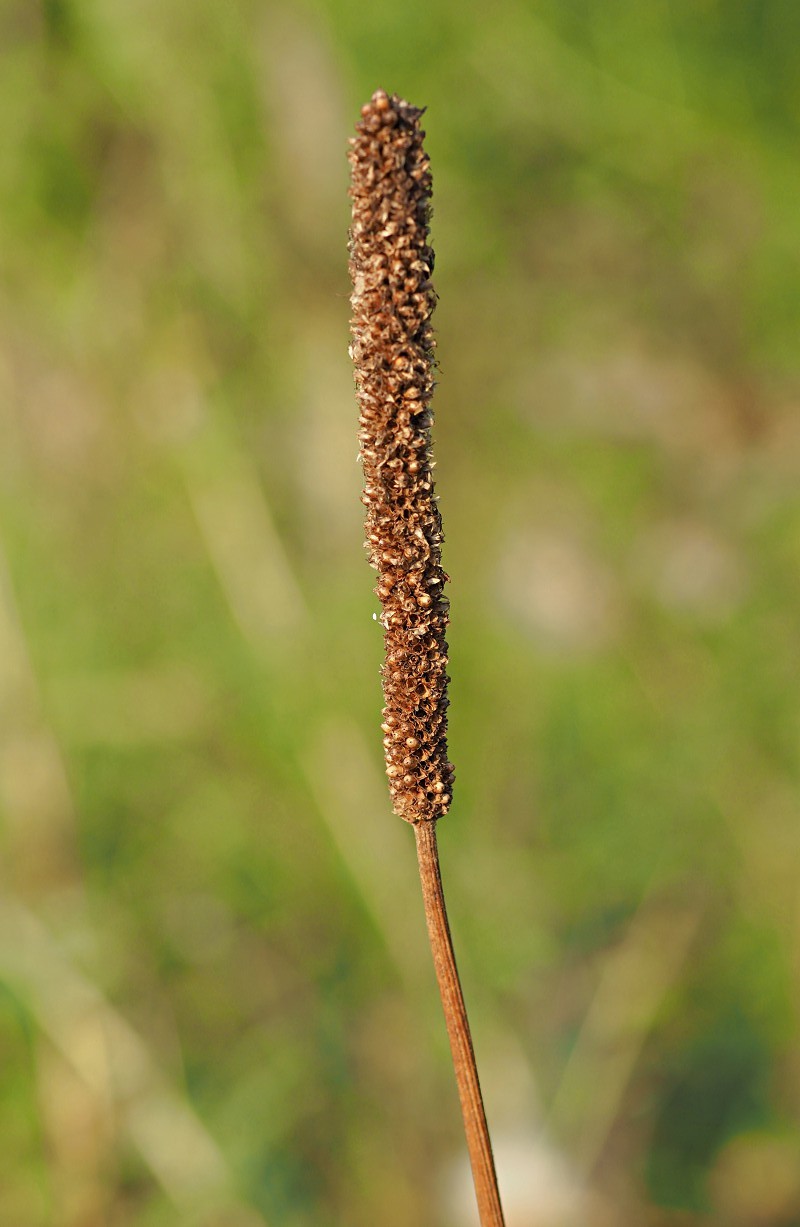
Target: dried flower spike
[{"x": 393, "y": 300}]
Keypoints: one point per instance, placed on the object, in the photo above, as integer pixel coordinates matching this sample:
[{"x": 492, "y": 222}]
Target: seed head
[{"x": 393, "y": 300}]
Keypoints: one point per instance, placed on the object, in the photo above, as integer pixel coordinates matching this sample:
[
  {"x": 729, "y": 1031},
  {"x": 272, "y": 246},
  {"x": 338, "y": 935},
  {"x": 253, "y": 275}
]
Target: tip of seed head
[{"x": 391, "y": 109}]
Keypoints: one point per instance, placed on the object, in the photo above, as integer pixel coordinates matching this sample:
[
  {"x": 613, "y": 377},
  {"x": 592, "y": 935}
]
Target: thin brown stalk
[
  {"x": 393, "y": 300},
  {"x": 455, "y": 1015}
]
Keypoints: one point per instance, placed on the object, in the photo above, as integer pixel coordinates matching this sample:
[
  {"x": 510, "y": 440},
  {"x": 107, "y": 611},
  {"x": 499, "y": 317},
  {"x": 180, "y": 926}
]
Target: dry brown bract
[{"x": 393, "y": 300}]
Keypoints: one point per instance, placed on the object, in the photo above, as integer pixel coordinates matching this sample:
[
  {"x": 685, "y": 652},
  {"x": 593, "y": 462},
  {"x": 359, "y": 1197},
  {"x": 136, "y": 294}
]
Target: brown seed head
[{"x": 393, "y": 300}]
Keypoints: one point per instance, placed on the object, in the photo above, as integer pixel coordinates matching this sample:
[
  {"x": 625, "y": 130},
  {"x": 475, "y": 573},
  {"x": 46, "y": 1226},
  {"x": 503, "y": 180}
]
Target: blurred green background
[{"x": 216, "y": 999}]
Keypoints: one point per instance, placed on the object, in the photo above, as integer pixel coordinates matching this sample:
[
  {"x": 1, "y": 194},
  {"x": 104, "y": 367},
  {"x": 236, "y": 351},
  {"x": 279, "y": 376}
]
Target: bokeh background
[{"x": 216, "y": 1000}]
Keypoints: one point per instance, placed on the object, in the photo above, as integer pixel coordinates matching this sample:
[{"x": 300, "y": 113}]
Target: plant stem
[
  {"x": 393, "y": 299},
  {"x": 457, "y": 1022}
]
